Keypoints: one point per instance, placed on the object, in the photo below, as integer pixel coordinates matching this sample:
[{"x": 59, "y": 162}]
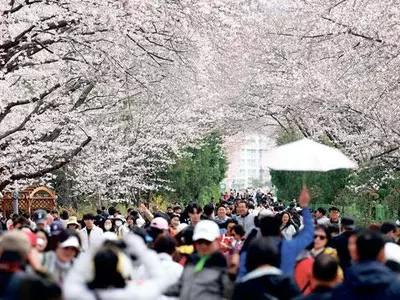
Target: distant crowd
[{"x": 242, "y": 247}]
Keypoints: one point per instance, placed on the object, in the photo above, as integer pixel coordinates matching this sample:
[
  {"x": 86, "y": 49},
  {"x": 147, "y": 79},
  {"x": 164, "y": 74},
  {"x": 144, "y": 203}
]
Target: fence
[{"x": 376, "y": 212}]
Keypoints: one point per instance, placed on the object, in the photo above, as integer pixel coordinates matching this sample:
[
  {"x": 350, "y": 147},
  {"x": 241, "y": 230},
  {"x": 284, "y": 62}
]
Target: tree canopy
[{"x": 197, "y": 172}]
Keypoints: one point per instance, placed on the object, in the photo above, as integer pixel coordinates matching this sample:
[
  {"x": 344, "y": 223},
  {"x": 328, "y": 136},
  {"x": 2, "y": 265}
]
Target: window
[{"x": 251, "y": 162}]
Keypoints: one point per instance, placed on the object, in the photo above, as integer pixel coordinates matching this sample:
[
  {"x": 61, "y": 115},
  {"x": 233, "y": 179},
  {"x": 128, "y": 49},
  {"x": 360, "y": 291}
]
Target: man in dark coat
[
  {"x": 341, "y": 241},
  {"x": 265, "y": 280},
  {"x": 368, "y": 278}
]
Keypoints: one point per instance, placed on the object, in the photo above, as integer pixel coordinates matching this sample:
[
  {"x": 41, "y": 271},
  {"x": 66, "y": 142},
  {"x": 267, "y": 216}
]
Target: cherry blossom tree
[
  {"x": 330, "y": 68},
  {"x": 90, "y": 75}
]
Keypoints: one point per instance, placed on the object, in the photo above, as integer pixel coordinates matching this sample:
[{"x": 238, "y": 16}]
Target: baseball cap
[
  {"x": 348, "y": 222},
  {"x": 72, "y": 241},
  {"x": 334, "y": 208},
  {"x": 56, "y": 227},
  {"x": 206, "y": 230},
  {"x": 159, "y": 223}
]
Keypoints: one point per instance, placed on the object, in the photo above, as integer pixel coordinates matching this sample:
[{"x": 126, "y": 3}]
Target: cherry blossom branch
[
  {"x": 10, "y": 105},
  {"x": 64, "y": 160}
]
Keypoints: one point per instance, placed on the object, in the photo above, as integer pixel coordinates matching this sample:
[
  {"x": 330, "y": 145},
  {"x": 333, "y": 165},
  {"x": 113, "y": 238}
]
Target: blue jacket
[
  {"x": 290, "y": 249},
  {"x": 368, "y": 280}
]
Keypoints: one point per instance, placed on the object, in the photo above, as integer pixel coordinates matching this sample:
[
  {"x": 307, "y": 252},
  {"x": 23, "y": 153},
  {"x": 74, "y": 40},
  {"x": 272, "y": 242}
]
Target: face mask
[
  {"x": 107, "y": 227},
  {"x": 118, "y": 223}
]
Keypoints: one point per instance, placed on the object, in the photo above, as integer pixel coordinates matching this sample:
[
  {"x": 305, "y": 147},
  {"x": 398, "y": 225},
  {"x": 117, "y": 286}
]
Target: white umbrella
[{"x": 307, "y": 155}]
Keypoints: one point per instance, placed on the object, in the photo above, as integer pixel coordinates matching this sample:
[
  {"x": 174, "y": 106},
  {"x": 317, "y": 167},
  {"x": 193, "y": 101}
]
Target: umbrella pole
[{"x": 304, "y": 179}]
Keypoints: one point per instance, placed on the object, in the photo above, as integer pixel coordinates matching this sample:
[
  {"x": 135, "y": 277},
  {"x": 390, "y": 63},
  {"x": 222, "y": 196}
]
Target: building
[{"x": 246, "y": 162}]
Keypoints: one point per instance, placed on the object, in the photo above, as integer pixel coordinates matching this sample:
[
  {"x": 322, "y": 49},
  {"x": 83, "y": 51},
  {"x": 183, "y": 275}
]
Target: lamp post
[{"x": 15, "y": 202}]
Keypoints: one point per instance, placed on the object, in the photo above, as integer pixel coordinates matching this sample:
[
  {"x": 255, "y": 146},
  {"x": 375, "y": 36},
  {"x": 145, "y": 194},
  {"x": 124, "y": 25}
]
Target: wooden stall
[{"x": 29, "y": 200}]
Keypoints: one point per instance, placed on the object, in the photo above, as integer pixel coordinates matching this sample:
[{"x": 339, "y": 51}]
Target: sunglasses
[{"x": 321, "y": 237}]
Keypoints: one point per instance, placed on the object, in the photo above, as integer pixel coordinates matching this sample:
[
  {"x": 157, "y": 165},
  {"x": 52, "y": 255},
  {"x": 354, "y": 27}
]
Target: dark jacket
[
  {"x": 267, "y": 283},
  {"x": 19, "y": 285},
  {"x": 340, "y": 243},
  {"x": 212, "y": 282},
  {"x": 289, "y": 249},
  {"x": 368, "y": 280},
  {"x": 319, "y": 293}
]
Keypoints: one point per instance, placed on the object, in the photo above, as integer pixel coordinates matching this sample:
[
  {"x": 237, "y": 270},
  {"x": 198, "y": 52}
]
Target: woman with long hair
[{"x": 287, "y": 227}]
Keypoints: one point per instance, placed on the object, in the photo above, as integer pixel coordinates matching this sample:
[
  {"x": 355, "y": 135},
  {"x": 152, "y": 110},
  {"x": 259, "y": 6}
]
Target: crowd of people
[{"x": 243, "y": 247}]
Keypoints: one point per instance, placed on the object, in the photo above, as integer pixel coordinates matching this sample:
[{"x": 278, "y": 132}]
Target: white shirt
[
  {"x": 323, "y": 220},
  {"x": 288, "y": 232},
  {"x": 93, "y": 239}
]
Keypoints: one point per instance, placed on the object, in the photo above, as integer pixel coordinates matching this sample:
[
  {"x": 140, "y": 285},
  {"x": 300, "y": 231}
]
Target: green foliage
[{"x": 197, "y": 172}]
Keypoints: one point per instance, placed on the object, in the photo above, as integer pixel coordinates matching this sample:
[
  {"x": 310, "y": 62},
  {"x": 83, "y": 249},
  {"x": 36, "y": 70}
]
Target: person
[
  {"x": 174, "y": 222},
  {"x": 112, "y": 212},
  {"x": 56, "y": 227},
  {"x": 324, "y": 277},
  {"x": 238, "y": 234},
  {"x": 157, "y": 227},
  {"x": 303, "y": 274},
  {"x": 227, "y": 238},
  {"x": 184, "y": 240},
  {"x": 119, "y": 226},
  {"x": 334, "y": 215},
  {"x": 208, "y": 212},
  {"x": 368, "y": 278},
  {"x": 39, "y": 217},
  {"x": 170, "y": 210},
  {"x": 73, "y": 224},
  {"x": 177, "y": 210},
  {"x": 91, "y": 234},
  {"x": 206, "y": 274},
  {"x": 54, "y": 214},
  {"x": 20, "y": 222},
  {"x": 389, "y": 230},
  {"x": 265, "y": 280},
  {"x": 245, "y": 218},
  {"x": 221, "y": 215},
  {"x": 42, "y": 242},
  {"x": 108, "y": 226},
  {"x": 321, "y": 217},
  {"x": 64, "y": 217},
  {"x": 287, "y": 228},
  {"x": 392, "y": 256},
  {"x": 194, "y": 211},
  {"x": 59, "y": 262},
  {"x": 290, "y": 249},
  {"x": 106, "y": 266},
  {"x": 15, "y": 283},
  {"x": 130, "y": 222},
  {"x": 341, "y": 242},
  {"x": 165, "y": 246}
]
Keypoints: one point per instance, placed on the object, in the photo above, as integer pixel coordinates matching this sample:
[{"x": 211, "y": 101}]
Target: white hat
[
  {"x": 392, "y": 252},
  {"x": 206, "y": 230},
  {"x": 119, "y": 217},
  {"x": 181, "y": 227},
  {"x": 72, "y": 241}
]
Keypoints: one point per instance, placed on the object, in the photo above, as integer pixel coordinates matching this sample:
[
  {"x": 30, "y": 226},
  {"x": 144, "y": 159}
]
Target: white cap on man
[{"x": 206, "y": 230}]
